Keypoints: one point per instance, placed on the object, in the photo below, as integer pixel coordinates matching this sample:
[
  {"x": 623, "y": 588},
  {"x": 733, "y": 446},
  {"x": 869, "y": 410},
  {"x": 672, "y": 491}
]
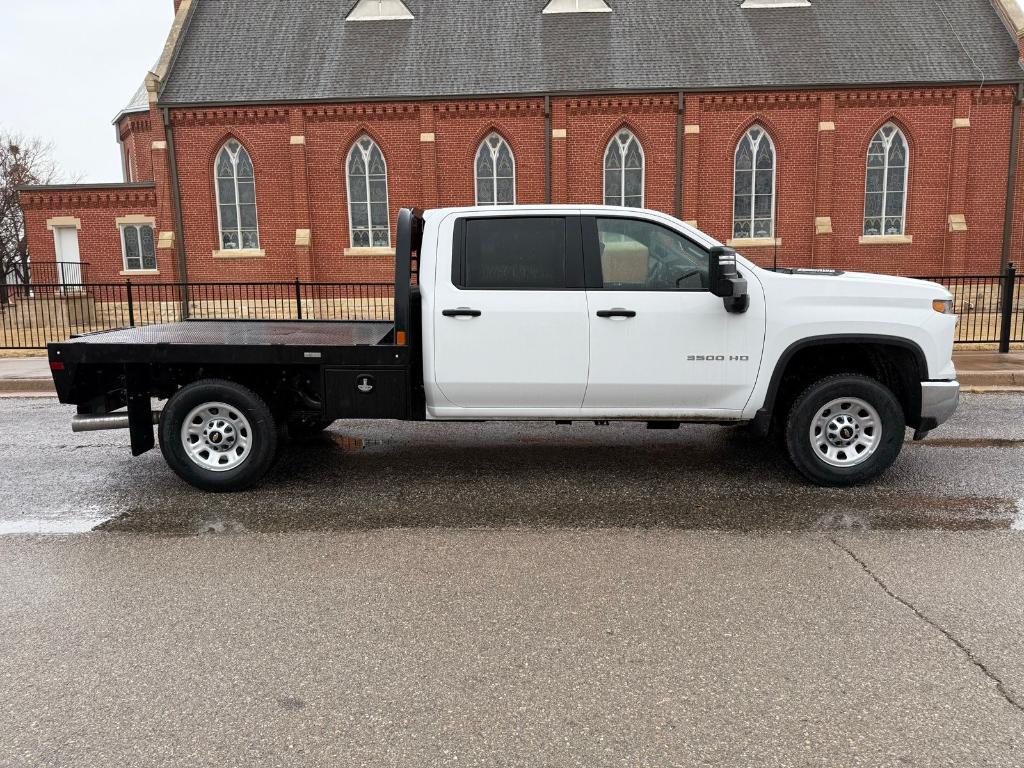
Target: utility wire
[{"x": 967, "y": 53}]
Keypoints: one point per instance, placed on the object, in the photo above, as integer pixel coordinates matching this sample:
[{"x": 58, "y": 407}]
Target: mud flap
[{"x": 140, "y": 410}]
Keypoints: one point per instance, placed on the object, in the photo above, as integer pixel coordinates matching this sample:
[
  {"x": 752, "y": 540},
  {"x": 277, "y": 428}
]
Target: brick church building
[{"x": 277, "y": 140}]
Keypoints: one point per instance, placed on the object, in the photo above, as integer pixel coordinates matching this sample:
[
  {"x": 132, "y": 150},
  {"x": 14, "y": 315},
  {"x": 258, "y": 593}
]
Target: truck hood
[
  {"x": 925, "y": 287},
  {"x": 860, "y": 284}
]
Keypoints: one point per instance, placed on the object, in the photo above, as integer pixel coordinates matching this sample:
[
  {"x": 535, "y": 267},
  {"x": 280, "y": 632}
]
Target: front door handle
[
  {"x": 616, "y": 313},
  {"x": 462, "y": 312}
]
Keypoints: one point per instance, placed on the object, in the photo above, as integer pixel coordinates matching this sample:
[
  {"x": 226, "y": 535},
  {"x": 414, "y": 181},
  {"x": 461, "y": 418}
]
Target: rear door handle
[
  {"x": 462, "y": 312},
  {"x": 616, "y": 313}
]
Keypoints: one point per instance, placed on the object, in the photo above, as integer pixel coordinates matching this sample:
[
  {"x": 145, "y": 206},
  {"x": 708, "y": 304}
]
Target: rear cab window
[{"x": 518, "y": 253}]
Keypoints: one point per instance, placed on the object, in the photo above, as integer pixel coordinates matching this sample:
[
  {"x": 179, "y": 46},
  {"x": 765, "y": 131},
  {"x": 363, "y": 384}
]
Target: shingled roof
[{"x": 268, "y": 51}]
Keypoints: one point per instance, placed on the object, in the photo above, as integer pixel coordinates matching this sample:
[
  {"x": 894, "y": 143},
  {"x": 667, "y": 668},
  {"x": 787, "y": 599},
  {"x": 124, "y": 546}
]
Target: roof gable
[{"x": 282, "y": 51}]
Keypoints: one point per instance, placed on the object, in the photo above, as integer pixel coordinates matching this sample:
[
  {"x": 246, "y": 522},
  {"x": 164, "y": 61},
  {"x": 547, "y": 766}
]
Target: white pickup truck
[{"x": 543, "y": 313}]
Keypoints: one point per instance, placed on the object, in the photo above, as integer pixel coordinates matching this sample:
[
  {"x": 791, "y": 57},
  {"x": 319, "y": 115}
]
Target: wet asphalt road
[
  {"x": 368, "y": 475},
  {"x": 480, "y": 595}
]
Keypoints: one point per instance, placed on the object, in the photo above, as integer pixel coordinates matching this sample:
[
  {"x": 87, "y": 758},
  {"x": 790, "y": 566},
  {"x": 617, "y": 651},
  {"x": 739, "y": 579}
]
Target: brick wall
[
  {"x": 135, "y": 132},
  {"x": 959, "y": 145},
  {"x": 99, "y": 238}
]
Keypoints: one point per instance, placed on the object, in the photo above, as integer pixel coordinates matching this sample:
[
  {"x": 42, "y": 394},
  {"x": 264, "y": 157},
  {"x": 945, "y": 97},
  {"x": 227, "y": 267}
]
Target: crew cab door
[
  {"x": 509, "y": 312},
  {"x": 660, "y": 342}
]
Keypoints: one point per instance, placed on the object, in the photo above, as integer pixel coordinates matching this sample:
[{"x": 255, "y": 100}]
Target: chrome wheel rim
[
  {"x": 217, "y": 437},
  {"x": 846, "y": 432}
]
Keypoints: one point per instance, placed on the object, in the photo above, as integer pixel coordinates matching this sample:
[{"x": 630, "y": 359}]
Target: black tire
[
  {"x": 810, "y": 460},
  {"x": 305, "y": 428},
  {"x": 262, "y": 440}
]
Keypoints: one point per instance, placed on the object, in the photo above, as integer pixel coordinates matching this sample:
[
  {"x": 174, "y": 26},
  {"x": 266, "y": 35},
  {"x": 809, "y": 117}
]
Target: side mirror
[{"x": 725, "y": 280}]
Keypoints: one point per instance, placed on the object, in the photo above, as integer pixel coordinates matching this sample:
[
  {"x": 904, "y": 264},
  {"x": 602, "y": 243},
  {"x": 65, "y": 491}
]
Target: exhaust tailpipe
[{"x": 101, "y": 423}]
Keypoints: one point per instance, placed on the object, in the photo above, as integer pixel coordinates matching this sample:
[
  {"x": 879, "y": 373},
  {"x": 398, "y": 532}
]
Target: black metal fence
[
  {"x": 55, "y": 311},
  {"x": 991, "y": 307},
  {"x": 43, "y": 273}
]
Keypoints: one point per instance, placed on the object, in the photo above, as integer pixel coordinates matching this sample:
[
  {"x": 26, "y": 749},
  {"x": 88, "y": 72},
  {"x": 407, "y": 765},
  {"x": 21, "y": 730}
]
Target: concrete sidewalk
[
  {"x": 25, "y": 375},
  {"x": 979, "y": 371}
]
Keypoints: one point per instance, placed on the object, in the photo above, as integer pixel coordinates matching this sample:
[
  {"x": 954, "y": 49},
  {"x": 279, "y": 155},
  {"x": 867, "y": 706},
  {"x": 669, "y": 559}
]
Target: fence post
[
  {"x": 298, "y": 299},
  {"x": 131, "y": 304},
  {"x": 1009, "y": 283}
]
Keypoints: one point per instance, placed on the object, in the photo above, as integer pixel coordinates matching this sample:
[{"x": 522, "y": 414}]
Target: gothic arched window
[{"x": 368, "y": 195}]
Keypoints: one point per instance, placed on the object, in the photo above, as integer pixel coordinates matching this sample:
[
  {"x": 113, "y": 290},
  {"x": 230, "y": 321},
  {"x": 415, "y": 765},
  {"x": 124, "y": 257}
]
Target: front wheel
[
  {"x": 845, "y": 430},
  {"x": 218, "y": 435}
]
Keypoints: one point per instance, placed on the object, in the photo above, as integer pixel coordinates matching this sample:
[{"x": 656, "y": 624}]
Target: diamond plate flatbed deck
[
  {"x": 247, "y": 333},
  {"x": 208, "y": 342}
]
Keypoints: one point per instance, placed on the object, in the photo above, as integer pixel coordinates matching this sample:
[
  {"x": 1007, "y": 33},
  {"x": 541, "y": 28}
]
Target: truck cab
[
  {"x": 581, "y": 313},
  {"x": 547, "y": 313}
]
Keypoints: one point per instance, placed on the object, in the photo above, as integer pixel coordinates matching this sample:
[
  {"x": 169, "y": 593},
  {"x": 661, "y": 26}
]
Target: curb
[
  {"x": 991, "y": 378},
  {"x": 36, "y": 386}
]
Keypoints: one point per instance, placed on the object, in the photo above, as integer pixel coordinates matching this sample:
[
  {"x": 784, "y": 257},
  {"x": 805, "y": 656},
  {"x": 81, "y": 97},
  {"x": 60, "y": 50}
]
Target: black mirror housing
[{"x": 725, "y": 279}]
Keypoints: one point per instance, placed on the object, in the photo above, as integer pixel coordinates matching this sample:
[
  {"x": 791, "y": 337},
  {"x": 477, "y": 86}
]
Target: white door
[
  {"x": 660, "y": 343},
  {"x": 509, "y": 331},
  {"x": 69, "y": 260}
]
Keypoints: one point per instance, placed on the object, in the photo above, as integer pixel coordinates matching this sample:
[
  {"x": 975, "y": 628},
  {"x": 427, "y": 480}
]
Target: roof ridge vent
[
  {"x": 776, "y": 4},
  {"x": 380, "y": 10},
  {"x": 577, "y": 6}
]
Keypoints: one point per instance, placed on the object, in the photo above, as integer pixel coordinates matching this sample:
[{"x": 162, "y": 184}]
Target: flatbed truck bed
[
  {"x": 237, "y": 341},
  {"x": 318, "y": 372}
]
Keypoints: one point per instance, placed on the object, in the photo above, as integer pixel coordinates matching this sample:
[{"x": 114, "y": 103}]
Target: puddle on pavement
[
  {"x": 842, "y": 521},
  {"x": 1018, "y": 520},
  {"x": 953, "y": 442},
  {"x": 216, "y": 527},
  {"x": 50, "y": 526},
  {"x": 352, "y": 444},
  {"x": 347, "y": 444}
]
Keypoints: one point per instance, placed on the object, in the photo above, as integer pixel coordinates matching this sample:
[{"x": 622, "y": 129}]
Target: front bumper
[{"x": 939, "y": 401}]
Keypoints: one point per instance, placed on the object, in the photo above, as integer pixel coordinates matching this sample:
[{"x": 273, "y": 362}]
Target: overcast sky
[{"x": 67, "y": 67}]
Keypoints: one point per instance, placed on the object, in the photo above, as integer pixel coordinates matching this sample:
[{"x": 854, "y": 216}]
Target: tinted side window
[{"x": 515, "y": 253}]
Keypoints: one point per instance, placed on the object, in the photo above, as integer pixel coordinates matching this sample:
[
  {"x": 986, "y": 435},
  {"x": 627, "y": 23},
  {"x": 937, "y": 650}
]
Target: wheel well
[
  {"x": 897, "y": 367},
  {"x": 284, "y": 388}
]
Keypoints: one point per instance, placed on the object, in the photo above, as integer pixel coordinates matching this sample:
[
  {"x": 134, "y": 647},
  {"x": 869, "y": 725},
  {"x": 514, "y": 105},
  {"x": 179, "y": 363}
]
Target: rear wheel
[
  {"x": 218, "y": 435},
  {"x": 845, "y": 430}
]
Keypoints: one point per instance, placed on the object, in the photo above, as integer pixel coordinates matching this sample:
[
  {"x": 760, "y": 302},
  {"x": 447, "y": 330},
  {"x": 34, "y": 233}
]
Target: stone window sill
[
  {"x": 243, "y": 253},
  {"x": 132, "y": 272},
  {"x": 886, "y": 240},
  {"x": 755, "y": 242},
  {"x": 369, "y": 251}
]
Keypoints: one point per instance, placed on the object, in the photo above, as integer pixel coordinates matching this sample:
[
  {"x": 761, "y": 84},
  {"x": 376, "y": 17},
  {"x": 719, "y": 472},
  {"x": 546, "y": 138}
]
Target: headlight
[{"x": 943, "y": 306}]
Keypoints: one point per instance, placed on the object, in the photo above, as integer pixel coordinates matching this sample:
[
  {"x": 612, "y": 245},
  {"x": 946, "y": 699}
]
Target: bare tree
[{"x": 22, "y": 161}]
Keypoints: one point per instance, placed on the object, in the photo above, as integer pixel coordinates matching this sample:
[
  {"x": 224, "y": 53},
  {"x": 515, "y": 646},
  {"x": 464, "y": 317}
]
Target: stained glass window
[
  {"x": 236, "y": 198},
  {"x": 624, "y": 171},
  {"x": 495, "y": 172},
  {"x": 754, "y": 186},
  {"x": 368, "y": 195},
  {"x": 885, "y": 195},
  {"x": 137, "y": 244}
]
